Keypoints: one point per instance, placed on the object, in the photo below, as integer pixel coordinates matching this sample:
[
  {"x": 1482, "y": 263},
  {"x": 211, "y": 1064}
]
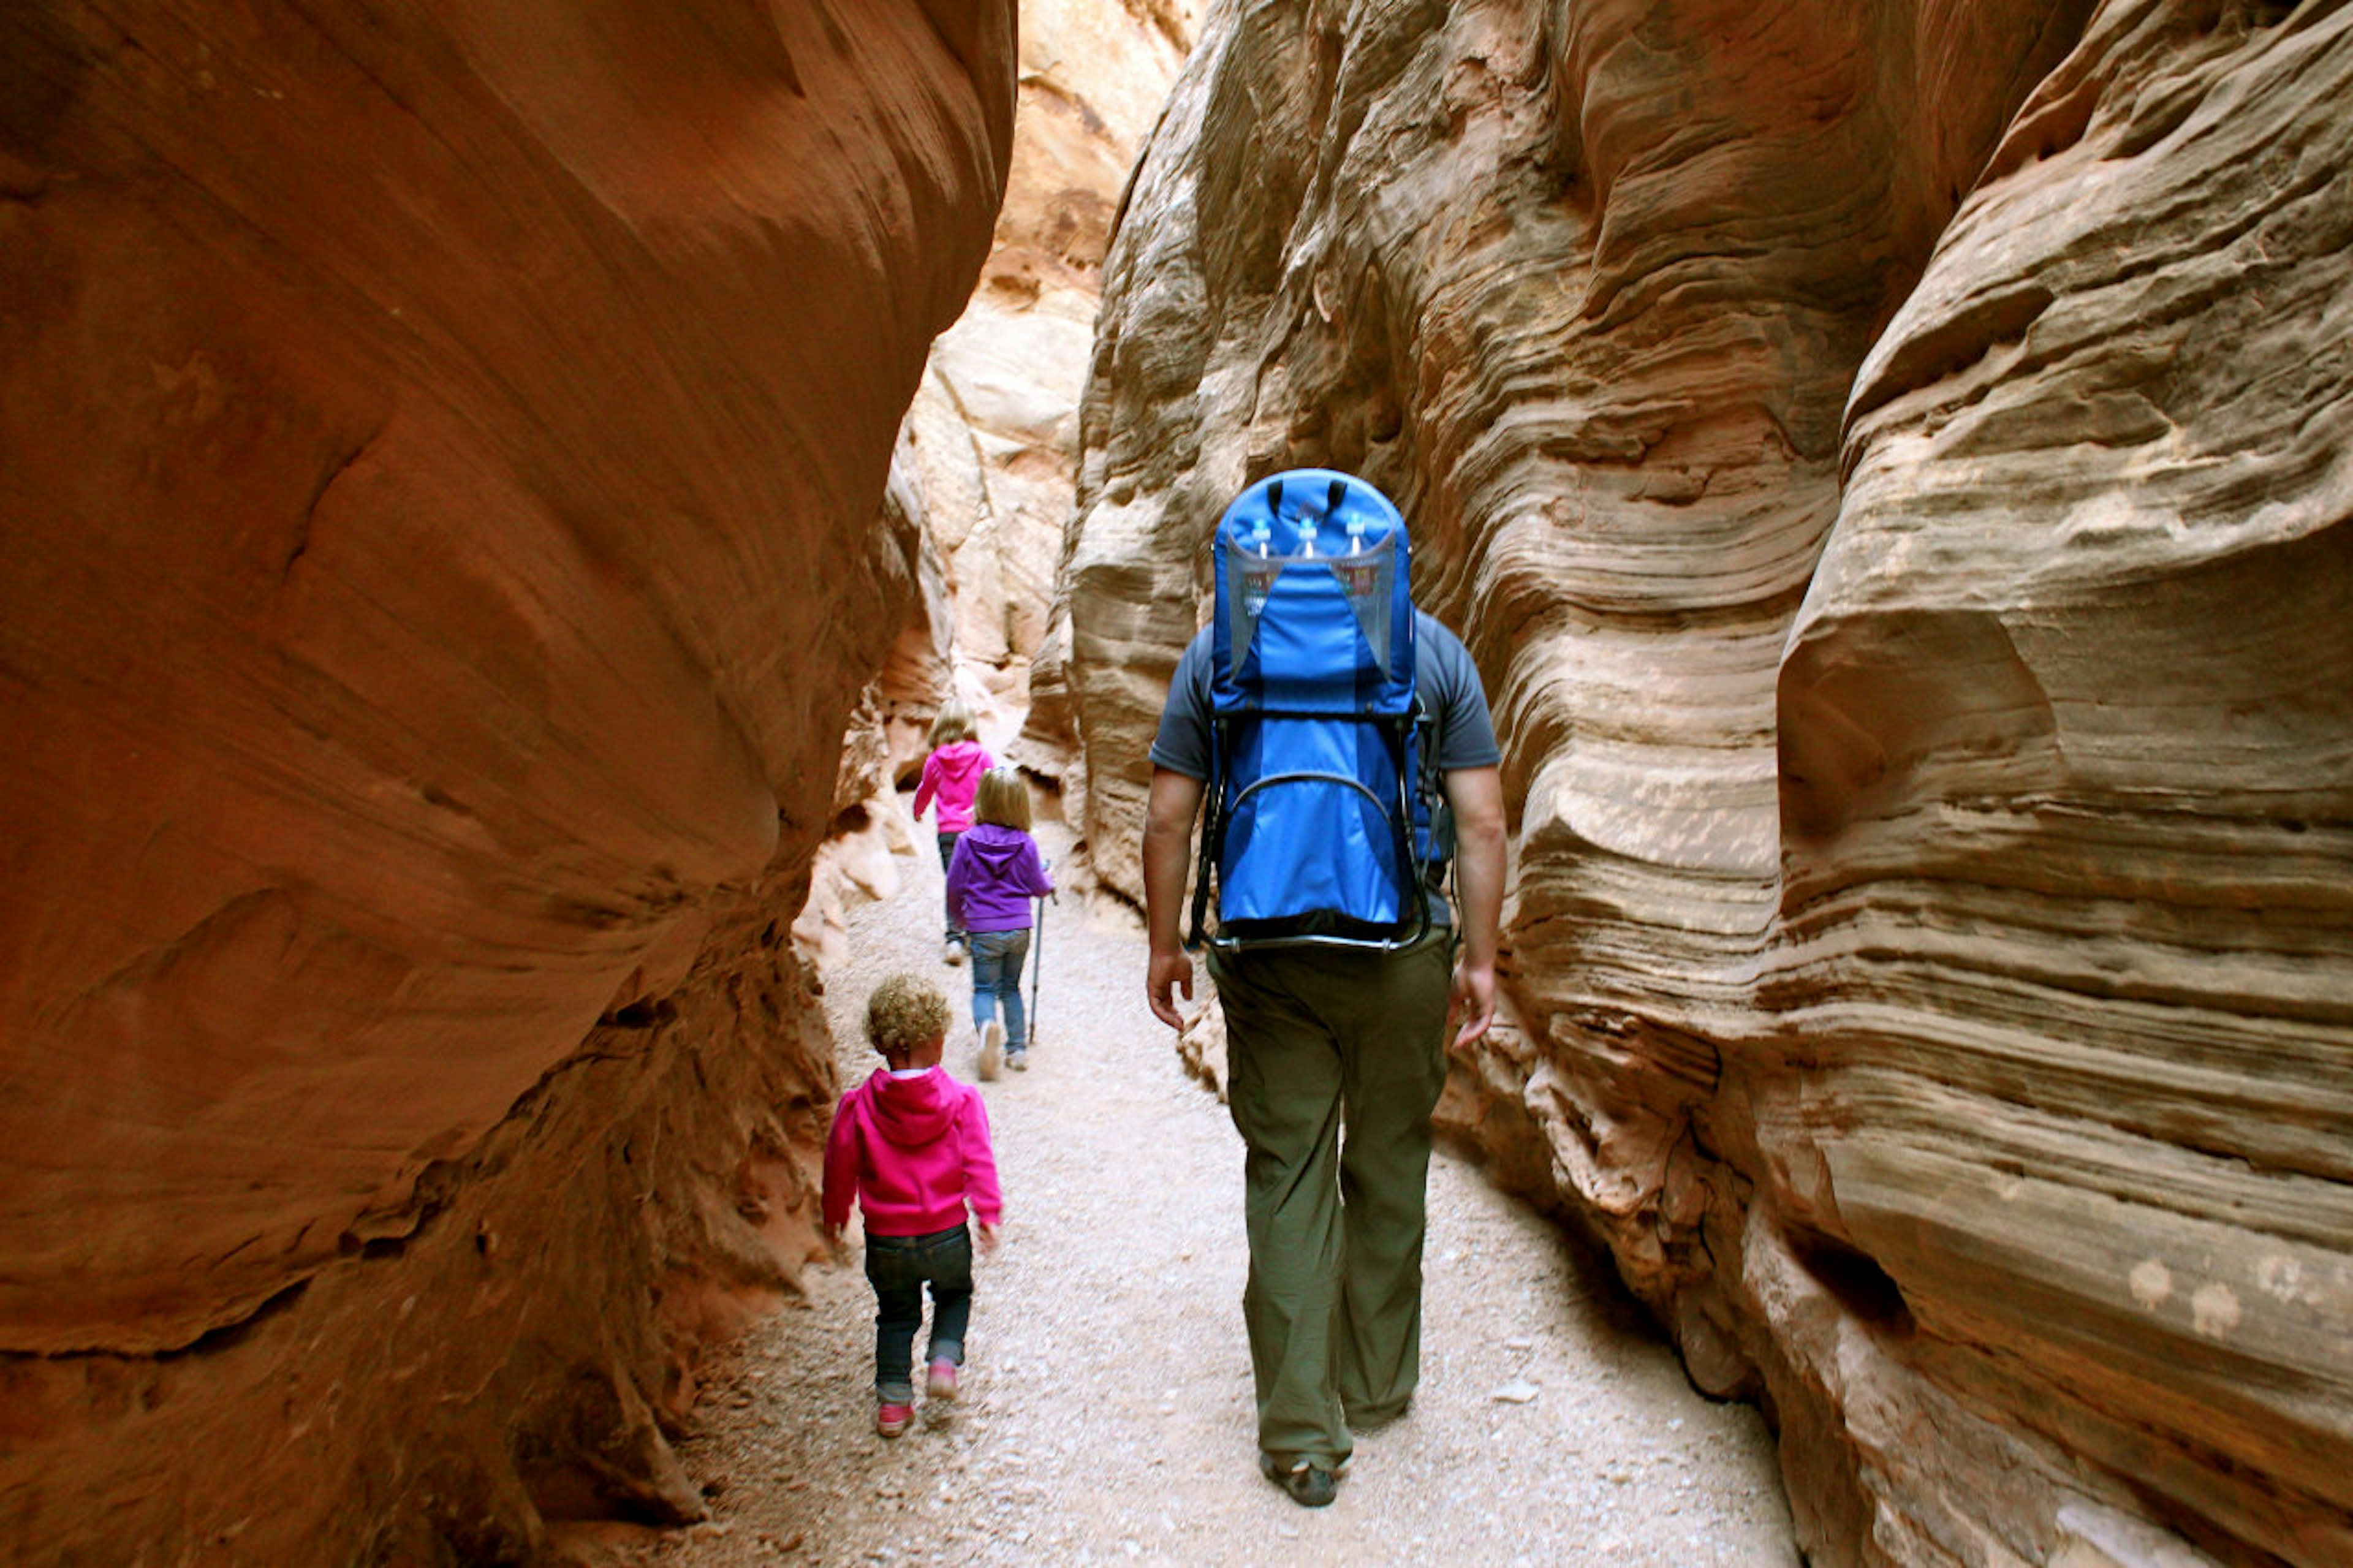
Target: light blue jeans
[{"x": 996, "y": 960}]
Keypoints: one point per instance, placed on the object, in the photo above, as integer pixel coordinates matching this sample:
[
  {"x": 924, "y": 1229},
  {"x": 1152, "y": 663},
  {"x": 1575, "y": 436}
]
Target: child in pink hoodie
[
  {"x": 951, "y": 774},
  {"x": 912, "y": 1144}
]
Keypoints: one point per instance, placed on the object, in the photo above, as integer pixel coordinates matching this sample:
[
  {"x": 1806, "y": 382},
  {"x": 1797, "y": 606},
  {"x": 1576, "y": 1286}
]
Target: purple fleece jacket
[{"x": 994, "y": 875}]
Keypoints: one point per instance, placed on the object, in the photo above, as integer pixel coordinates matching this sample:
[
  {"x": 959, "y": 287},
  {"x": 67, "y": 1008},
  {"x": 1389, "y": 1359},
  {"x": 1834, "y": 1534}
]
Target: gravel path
[{"x": 1107, "y": 1414}]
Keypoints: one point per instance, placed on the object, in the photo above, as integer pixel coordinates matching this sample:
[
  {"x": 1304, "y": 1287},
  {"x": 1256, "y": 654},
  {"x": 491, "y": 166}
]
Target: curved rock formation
[
  {"x": 1891, "y": 465},
  {"x": 994, "y": 430},
  {"x": 441, "y": 451}
]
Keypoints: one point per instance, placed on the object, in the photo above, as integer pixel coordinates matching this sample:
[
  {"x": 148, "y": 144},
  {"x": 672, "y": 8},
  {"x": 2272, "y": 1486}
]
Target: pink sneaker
[
  {"x": 892, "y": 1419},
  {"x": 942, "y": 1384}
]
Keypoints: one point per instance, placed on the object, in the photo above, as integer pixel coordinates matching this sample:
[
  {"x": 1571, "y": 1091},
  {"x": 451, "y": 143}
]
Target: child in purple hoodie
[
  {"x": 912, "y": 1144},
  {"x": 951, "y": 774},
  {"x": 994, "y": 875}
]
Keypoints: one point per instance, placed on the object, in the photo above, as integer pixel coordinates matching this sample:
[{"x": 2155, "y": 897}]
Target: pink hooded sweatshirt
[
  {"x": 952, "y": 774},
  {"x": 914, "y": 1151}
]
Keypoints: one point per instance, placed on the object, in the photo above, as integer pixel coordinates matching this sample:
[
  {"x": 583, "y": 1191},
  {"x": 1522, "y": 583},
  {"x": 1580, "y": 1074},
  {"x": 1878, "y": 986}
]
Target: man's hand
[
  {"x": 988, "y": 1238},
  {"x": 1169, "y": 971},
  {"x": 1474, "y": 1002},
  {"x": 1477, "y": 796}
]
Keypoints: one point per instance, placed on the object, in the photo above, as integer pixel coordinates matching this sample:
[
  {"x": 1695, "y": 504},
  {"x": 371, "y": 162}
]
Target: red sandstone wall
[{"x": 441, "y": 452}]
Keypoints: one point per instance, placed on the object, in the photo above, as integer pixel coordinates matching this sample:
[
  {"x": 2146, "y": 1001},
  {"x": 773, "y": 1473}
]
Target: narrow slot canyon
[
  {"x": 494, "y": 498},
  {"x": 1107, "y": 1414}
]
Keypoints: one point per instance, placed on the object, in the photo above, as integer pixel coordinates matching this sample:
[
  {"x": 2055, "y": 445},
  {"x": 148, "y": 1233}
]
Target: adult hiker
[{"x": 1339, "y": 966}]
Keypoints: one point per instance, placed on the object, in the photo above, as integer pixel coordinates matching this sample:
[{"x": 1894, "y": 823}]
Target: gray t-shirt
[{"x": 1443, "y": 674}]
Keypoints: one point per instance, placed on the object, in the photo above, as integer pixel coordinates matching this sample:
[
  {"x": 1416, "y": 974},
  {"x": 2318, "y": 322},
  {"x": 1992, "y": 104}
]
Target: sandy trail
[{"x": 1107, "y": 1415}]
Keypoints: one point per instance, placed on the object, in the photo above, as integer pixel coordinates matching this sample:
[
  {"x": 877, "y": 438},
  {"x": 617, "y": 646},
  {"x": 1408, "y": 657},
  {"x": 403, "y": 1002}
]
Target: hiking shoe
[
  {"x": 1307, "y": 1483},
  {"x": 892, "y": 1419},
  {"x": 1018, "y": 1058},
  {"x": 942, "y": 1383},
  {"x": 952, "y": 953},
  {"x": 992, "y": 1051}
]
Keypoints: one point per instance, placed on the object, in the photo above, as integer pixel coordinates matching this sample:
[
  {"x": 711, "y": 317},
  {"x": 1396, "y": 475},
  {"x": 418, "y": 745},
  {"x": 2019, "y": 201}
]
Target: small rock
[{"x": 1519, "y": 1391}]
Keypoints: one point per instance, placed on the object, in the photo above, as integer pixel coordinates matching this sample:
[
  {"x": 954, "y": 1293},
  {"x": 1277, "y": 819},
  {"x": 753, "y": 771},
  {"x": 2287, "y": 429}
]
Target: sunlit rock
[{"x": 994, "y": 425}]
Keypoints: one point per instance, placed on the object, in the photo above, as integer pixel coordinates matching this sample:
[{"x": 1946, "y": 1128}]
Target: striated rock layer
[
  {"x": 993, "y": 434},
  {"x": 441, "y": 451},
  {"x": 1895, "y": 467}
]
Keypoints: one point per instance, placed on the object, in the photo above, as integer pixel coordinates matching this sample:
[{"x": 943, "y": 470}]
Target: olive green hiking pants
[{"x": 1334, "y": 1060}]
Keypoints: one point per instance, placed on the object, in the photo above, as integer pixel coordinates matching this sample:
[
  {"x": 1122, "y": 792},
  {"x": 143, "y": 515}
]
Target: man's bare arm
[
  {"x": 1477, "y": 796},
  {"x": 1169, "y": 815}
]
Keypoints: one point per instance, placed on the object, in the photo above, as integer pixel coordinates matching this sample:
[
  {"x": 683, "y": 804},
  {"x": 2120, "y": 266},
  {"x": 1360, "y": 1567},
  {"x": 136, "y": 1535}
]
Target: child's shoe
[
  {"x": 942, "y": 1383},
  {"x": 992, "y": 1051},
  {"x": 892, "y": 1419}
]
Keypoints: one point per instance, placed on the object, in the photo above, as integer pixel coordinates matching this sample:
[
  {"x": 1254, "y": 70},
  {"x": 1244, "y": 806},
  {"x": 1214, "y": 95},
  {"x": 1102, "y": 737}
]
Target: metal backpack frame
[{"x": 1332, "y": 931}]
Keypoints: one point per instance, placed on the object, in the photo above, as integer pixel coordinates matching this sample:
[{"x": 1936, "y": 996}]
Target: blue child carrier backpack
[{"x": 1322, "y": 826}]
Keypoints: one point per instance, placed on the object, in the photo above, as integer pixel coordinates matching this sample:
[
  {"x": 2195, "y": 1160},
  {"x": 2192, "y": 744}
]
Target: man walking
[{"x": 1336, "y": 1059}]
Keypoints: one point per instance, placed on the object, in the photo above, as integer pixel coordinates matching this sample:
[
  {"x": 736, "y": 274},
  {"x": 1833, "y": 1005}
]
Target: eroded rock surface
[
  {"x": 994, "y": 430},
  {"x": 1892, "y": 467},
  {"x": 441, "y": 454}
]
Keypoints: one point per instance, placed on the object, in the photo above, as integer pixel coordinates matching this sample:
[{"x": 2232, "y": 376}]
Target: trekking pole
[{"x": 1038, "y": 966}]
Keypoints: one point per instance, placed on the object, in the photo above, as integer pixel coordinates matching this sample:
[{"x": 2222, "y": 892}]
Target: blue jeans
[
  {"x": 947, "y": 853},
  {"x": 899, "y": 1266},
  {"x": 996, "y": 960}
]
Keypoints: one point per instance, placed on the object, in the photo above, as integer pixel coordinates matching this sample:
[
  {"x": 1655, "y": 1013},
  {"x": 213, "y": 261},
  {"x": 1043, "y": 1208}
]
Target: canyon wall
[
  {"x": 442, "y": 453},
  {"x": 993, "y": 434},
  {"x": 1894, "y": 466}
]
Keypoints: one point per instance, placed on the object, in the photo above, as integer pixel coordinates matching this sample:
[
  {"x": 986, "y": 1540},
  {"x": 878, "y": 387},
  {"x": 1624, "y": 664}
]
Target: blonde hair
[
  {"x": 903, "y": 1014},
  {"x": 951, "y": 724},
  {"x": 1002, "y": 799}
]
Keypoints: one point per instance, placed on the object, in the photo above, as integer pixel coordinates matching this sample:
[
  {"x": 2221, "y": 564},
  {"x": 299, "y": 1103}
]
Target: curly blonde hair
[{"x": 905, "y": 1012}]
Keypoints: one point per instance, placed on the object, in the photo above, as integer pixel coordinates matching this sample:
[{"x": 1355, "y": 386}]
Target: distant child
[
  {"x": 994, "y": 875},
  {"x": 912, "y": 1145},
  {"x": 951, "y": 774}
]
